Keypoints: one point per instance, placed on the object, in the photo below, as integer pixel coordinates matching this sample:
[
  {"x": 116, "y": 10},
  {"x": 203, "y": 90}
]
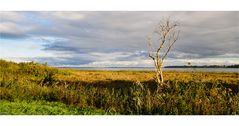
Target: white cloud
[
  {"x": 67, "y": 15},
  {"x": 108, "y": 63},
  {"x": 9, "y": 27},
  {"x": 10, "y": 16}
]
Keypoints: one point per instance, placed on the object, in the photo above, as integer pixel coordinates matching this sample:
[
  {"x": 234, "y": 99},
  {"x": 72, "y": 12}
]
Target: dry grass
[{"x": 91, "y": 76}]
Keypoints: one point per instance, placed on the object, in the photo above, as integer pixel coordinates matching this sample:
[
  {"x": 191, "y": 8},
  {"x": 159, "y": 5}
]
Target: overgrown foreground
[{"x": 29, "y": 88}]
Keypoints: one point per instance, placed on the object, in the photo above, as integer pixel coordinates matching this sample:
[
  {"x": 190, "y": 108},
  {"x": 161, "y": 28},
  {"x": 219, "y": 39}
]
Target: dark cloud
[
  {"x": 59, "y": 61},
  {"x": 5, "y": 35},
  {"x": 84, "y": 34}
]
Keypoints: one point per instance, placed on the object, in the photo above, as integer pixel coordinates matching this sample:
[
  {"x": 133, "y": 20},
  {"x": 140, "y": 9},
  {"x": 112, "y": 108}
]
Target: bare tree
[{"x": 165, "y": 35}]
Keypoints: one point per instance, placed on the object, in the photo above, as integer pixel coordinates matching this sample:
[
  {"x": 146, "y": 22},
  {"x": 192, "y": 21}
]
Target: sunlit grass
[
  {"x": 46, "y": 90},
  {"x": 43, "y": 108}
]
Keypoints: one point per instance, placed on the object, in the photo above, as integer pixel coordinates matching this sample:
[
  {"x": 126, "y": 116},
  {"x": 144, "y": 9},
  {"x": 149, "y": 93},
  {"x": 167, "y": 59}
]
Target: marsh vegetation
[{"x": 31, "y": 88}]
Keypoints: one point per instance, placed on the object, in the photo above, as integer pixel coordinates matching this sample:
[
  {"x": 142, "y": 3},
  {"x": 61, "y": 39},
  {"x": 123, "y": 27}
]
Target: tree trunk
[{"x": 159, "y": 76}]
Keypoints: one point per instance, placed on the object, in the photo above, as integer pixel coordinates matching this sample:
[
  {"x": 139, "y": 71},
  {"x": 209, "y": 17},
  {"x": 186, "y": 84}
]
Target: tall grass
[{"x": 119, "y": 92}]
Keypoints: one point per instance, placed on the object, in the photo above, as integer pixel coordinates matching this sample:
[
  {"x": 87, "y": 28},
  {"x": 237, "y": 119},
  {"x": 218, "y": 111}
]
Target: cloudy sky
[{"x": 108, "y": 39}]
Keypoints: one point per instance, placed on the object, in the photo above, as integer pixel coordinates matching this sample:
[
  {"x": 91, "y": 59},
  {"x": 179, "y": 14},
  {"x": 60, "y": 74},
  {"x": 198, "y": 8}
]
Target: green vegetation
[
  {"x": 30, "y": 88},
  {"x": 43, "y": 108}
]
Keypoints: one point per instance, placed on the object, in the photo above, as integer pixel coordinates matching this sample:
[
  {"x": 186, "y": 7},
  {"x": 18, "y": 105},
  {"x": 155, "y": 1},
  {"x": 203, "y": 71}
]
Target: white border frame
[{"x": 119, "y": 5}]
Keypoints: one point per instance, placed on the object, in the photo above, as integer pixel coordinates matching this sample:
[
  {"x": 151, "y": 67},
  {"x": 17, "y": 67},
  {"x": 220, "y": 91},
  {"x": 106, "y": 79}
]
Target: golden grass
[{"x": 143, "y": 76}]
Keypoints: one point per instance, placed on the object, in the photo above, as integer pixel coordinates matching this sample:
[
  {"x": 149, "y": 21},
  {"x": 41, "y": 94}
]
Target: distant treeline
[{"x": 206, "y": 66}]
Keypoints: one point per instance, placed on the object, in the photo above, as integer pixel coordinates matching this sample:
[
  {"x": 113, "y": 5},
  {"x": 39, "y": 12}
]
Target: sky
[{"x": 116, "y": 38}]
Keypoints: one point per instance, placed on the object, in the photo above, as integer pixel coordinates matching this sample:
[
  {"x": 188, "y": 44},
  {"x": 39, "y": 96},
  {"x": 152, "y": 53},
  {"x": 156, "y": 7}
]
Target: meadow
[{"x": 37, "y": 89}]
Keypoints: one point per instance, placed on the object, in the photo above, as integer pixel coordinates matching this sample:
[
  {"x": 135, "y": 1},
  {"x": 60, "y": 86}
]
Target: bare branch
[
  {"x": 150, "y": 47},
  {"x": 175, "y": 39},
  {"x": 151, "y": 56}
]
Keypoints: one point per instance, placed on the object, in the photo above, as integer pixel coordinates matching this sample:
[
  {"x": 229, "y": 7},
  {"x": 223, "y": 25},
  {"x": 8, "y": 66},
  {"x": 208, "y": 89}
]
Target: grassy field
[{"x": 30, "y": 88}]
